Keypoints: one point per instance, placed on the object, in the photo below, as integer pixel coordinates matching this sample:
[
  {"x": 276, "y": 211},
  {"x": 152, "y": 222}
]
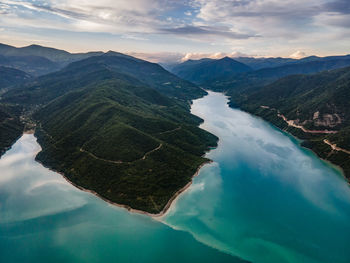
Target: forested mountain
[
  {"x": 38, "y": 60},
  {"x": 203, "y": 70},
  {"x": 119, "y": 126},
  {"x": 260, "y": 63},
  {"x": 251, "y": 80},
  {"x": 33, "y": 65},
  {"x": 95, "y": 69},
  {"x": 10, "y": 77},
  {"x": 53, "y": 54},
  {"x": 317, "y": 108},
  {"x": 11, "y": 127}
]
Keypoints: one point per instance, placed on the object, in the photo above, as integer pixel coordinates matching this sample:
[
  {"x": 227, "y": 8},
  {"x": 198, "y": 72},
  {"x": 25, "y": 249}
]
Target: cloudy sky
[{"x": 179, "y": 29}]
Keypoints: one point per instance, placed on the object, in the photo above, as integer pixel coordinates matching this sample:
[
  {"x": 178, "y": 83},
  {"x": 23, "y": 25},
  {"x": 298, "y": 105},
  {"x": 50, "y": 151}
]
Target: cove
[{"x": 263, "y": 199}]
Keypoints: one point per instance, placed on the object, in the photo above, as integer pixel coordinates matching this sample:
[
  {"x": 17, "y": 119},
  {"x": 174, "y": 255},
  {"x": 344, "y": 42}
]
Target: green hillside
[
  {"x": 10, "y": 77},
  {"x": 149, "y": 73},
  {"x": 129, "y": 144},
  {"x": 38, "y": 60},
  {"x": 319, "y": 103},
  {"x": 96, "y": 69},
  {"x": 33, "y": 65},
  {"x": 117, "y": 125},
  {"x": 11, "y": 128},
  {"x": 53, "y": 54}
]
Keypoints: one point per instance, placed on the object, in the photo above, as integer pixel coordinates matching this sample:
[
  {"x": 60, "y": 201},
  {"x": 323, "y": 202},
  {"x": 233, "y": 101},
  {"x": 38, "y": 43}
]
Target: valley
[
  {"x": 148, "y": 131},
  {"x": 307, "y": 98},
  {"x": 133, "y": 137}
]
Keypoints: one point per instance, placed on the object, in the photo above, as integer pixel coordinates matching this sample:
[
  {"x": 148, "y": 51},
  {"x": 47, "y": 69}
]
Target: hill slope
[
  {"x": 38, "y": 60},
  {"x": 251, "y": 80},
  {"x": 110, "y": 125},
  {"x": 260, "y": 63},
  {"x": 129, "y": 144},
  {"x": 11, "y": 127},
  {"x": 317, "y": 108},
  {"x": 10, "y": 77},
  {"x": 98, "y": 68},
  {"x": 53, "y": 54},
  {"x": 33, "y": 65}
]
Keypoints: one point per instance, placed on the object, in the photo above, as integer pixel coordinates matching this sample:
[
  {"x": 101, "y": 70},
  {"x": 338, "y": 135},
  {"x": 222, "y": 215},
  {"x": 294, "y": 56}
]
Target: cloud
[
  {"x": 271, "y": 18},
  {"x": 338, "y": 6},
  {"x": 218, "y": 55},
  {"x": 207, "y": 31},
  {"x": 103, "y": 16},
  {"x": 298, "y": 54},
  {"x": 251, "y": 26},
  {"x": 159, "y": 57}
]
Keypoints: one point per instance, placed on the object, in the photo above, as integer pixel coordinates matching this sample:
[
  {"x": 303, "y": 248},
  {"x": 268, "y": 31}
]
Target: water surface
[
  {"x": 45, "y": 219},
  {"x": 263, "y": 199}
]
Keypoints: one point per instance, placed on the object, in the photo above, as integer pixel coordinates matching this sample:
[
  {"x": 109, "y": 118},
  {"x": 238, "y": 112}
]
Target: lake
[{"x": 263, "y": 199}]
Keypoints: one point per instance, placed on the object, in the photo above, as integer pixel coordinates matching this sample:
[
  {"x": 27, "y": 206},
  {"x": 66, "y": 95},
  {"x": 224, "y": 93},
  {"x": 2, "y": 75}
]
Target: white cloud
[
  {"x": 267, "y": 27},
  {"x": 271, "y": 18},
  {"x": 218, "y": 55},
  {"x": 298, "y": 54},
  {"x": 159, "y": 57}
]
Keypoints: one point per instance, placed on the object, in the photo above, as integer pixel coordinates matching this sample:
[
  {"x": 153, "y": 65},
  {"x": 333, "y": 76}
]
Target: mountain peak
[{"x": 226, "y": 58}]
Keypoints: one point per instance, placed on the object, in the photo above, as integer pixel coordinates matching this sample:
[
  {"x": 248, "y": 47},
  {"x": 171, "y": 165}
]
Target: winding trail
[
  {"x": 119, "y": 161},
  {"x": 176, "y": 129}
]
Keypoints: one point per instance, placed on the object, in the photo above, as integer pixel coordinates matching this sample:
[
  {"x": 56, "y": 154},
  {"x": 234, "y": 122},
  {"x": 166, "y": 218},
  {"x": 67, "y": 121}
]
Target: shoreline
[
  {"x": 335, "y": 166},
  {"x": 128, "y": 208}
]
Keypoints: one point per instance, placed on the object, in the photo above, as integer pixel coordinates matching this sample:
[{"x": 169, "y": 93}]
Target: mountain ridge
[{"x": 204, "y": 70}]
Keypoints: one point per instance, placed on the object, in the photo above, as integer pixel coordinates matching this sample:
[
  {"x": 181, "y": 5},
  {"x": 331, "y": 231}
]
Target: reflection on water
[{"x": 264, "y": 198}]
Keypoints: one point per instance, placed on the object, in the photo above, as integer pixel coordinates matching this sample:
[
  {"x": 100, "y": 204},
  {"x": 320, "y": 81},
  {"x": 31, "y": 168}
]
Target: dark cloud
[{"x": 339, "y": 6}]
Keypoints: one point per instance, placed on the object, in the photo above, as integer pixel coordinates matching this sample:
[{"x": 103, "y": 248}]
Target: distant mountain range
[
  {"x": 241, "y": 73},
  {"x": 268, "y": 75},
  {"x": 38, "y": 60},
  {"x": 203, "y": 70}
]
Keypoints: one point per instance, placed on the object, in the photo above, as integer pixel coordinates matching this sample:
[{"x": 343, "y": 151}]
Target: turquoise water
[
  {"x": 263, "y": 199},
  {"x": 45, "y": 219}
]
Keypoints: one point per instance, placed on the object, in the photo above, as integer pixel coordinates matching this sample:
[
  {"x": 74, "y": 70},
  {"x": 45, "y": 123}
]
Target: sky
[{"x": 175, "y": 30}]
